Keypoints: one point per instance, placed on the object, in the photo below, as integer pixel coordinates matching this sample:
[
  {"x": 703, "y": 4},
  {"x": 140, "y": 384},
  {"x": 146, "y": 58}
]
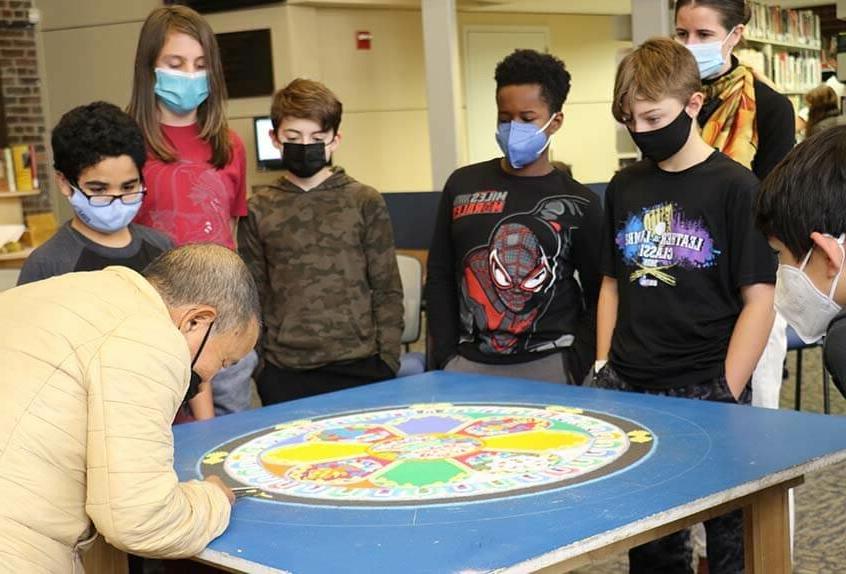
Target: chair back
[{"x": 411, "y": 275}]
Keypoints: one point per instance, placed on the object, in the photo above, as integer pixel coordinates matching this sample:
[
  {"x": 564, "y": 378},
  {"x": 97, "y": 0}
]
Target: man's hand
[{"x": 215, "y": 480}]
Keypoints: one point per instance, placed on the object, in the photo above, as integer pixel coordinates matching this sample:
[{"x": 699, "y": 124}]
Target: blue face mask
[
  {"x": 709, "y": 57},
  {"x": 181, "y": 92},
  {"x": 522, "y": 143},
  {"x": 106, "y": 218}
]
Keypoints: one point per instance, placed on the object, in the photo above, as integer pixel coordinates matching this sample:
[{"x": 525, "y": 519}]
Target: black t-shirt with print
[
  {"x": 680, "y": 245},
  {"x": 500, "y": 283}
]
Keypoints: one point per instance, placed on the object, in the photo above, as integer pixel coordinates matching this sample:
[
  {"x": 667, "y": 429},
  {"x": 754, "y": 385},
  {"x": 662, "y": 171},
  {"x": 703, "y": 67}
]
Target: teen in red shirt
[{"x": 196, "y": 168}]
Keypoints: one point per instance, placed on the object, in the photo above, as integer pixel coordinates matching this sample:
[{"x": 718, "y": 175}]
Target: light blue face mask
[
  {"x": 522, "y": 143},
  {"x": 181, "y": 92},
  {"x": 709, "y": 57},
  {"x": 104, "y": 218}
]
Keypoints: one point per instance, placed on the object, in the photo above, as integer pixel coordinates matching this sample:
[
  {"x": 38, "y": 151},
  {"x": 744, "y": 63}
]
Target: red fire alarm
[{"x": 362, "y": 40}]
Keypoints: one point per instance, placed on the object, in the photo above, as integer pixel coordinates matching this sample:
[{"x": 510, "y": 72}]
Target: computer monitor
[{"x": 268, "y": 157}]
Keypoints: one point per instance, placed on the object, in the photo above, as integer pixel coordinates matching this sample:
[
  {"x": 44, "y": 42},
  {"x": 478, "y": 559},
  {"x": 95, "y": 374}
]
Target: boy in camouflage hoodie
[{"x": 321, "y": 248}]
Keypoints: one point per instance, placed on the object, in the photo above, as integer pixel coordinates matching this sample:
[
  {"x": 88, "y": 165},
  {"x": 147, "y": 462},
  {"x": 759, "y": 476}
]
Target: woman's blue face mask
[{"x": 709, "y": 56}]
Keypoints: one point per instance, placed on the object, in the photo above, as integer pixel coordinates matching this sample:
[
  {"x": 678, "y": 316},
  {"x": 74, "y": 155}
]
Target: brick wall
[{"x": 21, "y": 91}]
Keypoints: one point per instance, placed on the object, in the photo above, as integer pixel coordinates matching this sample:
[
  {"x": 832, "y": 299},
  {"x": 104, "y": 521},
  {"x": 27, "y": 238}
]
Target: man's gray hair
[{"x": 207, "y": 274}]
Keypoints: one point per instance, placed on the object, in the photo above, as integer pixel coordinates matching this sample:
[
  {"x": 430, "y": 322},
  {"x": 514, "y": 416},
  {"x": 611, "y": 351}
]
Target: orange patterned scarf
[{"x": 732, "y": 128}]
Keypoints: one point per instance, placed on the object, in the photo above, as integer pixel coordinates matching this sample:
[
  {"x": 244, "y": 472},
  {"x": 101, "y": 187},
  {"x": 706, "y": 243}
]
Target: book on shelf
[
  {"x": 790, "y": 72},
  {"x": 4, "y": 177},
  {"x": 25, "y": 167},
  {"x": 9, "y": 168},
  {"x": 786, "y": 25}
]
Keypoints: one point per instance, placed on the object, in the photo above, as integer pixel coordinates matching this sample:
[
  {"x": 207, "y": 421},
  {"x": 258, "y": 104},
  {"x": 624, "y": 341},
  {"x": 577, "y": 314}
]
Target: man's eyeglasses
[{"x": 104, "y": 199}]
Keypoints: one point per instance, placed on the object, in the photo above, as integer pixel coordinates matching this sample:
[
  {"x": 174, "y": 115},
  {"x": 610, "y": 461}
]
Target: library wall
[
  {"x": 21, "y": 93},
  {"x": 385, "y": 128}
]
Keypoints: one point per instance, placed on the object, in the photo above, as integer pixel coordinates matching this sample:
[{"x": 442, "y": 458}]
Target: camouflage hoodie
[{"x": 326, "y": 272}]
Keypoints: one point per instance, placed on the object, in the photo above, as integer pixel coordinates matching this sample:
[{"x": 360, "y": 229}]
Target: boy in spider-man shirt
[{"x": 512, "y": 234}]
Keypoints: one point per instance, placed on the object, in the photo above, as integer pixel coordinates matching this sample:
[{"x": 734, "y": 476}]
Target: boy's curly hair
[
  {"x": 88, "y": 134},
  {"x": 530, "y": 67}
]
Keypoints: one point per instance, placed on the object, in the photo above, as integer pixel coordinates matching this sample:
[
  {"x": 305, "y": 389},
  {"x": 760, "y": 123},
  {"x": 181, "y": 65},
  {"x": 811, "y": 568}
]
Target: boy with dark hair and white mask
[{"x": 802, "y": 210}]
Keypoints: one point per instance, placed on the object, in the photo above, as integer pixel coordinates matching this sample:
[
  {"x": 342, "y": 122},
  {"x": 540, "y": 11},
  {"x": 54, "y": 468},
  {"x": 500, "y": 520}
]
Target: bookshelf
[
  {"x": 18, "y": 194},
  {"x": 11, "y": 202},
  {"x": 813, "y": 45},
  {"x": 785, "y": 46}
]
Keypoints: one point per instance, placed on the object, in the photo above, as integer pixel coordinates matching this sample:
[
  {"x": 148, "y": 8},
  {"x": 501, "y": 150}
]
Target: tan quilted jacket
[{"x": 92, "y": 371}]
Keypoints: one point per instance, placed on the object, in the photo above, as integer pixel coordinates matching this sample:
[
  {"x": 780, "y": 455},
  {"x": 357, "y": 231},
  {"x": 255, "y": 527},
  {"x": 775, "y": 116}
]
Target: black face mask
[
  {"x": 196, "y": 379},
  {"x": 665, "y": 142},
  {"x": 303, "y": 160}
]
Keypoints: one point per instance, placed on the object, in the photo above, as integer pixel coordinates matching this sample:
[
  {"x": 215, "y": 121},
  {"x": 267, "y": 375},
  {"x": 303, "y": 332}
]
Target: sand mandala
[{"x": 428, "y": 454}]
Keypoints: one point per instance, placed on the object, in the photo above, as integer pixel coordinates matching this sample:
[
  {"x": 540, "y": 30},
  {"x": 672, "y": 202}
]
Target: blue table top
[{"x": 702, "y": 449}]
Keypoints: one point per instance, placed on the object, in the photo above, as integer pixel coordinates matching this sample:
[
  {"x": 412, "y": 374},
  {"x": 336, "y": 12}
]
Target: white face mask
[{"x": 804, "y": 307}]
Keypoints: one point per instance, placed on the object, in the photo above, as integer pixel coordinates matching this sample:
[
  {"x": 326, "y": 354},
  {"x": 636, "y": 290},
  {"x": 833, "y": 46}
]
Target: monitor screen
[{"x": 269, "y": 158}]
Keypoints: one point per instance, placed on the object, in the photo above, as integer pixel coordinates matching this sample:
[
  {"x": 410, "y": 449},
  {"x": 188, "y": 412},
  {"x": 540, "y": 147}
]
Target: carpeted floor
[{"x": 820, "y": 538}]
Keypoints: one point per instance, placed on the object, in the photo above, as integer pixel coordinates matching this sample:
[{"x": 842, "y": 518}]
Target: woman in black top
[{"x": 743, "y": 117}]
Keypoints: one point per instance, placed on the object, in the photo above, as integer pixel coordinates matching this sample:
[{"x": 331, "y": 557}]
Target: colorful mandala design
[{"x": 428, "y": 454}]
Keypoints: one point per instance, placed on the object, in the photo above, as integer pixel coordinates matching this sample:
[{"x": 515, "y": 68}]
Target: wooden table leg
[{"x": 767, "y": 532}]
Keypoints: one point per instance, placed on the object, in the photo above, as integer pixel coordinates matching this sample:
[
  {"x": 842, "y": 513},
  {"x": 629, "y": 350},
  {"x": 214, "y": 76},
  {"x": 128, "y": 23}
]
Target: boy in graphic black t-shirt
[
  {"x": 511, "y": 233},
  {"x": 686, "y": 303}
]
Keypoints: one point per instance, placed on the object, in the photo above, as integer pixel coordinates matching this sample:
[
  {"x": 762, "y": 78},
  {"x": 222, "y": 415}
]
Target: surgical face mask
[
  {"x": 181, "y": 92},
  {"x": 803, "y": 306},
  {"x": 709, "y": 57},
  {"x": 196, "y": 379},
  {"x": 303, "y": 160},
  {"x": 103, "y": 218},
  {"x": 665, "y": 142},
  {"x": 522, "y": 143}
]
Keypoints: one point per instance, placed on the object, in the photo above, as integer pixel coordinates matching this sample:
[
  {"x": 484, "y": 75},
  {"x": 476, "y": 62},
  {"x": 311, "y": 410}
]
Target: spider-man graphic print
[{"x": 508, "y": 283}]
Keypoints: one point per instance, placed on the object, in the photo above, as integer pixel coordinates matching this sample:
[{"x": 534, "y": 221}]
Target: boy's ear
[
  {"x": 275, "y": 139},
  {"x": 694, "y": 104},
  {"x": 64, "y": 185},
  {"x": 831, "y": 249},
  {"x": 556, "y": 123},
  {"x": 336, "y": 141}
]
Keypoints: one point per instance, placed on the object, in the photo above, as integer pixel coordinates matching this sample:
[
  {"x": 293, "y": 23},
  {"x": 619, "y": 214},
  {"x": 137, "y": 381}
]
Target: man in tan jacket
[{"x": 93, "y": 367}]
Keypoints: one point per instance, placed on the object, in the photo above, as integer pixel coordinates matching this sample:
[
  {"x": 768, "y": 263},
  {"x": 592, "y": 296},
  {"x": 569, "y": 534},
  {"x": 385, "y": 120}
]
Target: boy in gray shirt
[{"x": 98, "y": 153}]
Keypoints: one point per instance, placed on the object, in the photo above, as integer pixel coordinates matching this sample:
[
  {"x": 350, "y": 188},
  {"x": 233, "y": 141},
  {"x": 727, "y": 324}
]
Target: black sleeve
[
  {"x": 59, "y": 255},
  {"x": 586, "y": 249},
  {"x": 776, "y": 129},
  {"x": 35, "y": 269},
  {"x": 608, "y": 257},
  {"x": 154, "y": 237},
  {"x": 441, "y": 287},
  {"x": 752, "y": 258},
  {"x": 834, "y": 354}
]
